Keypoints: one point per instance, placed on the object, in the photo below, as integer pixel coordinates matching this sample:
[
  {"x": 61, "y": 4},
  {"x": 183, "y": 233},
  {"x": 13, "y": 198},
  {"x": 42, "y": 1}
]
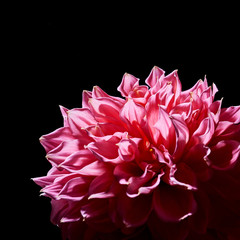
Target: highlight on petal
[
  {"x": 127, "y": 84},
  {"x": 154, "y": 76},
  {"x": 204, "y": 132},
  {"x": 132, "y": 112}
]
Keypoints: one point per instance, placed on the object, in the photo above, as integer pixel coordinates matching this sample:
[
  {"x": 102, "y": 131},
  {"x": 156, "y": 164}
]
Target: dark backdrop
[{"x": 62, "y": 54}]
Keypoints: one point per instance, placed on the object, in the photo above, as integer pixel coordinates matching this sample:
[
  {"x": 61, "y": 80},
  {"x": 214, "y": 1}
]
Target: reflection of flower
[{"x": 161, "y": 162}]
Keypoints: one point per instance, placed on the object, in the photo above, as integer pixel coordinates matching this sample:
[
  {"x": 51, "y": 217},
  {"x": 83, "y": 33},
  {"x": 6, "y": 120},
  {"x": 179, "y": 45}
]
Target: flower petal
[
  {"x": 134, "y": 211},
  {"x": 79, "y": 118},
  {"x": 182, "y": 137},
  {"x": 173, "y": 204},
  {"x": 100, "y": 187},
  {"x": 60, "y": 153},
  {"x": 77, "y": 160},
  {"x": 132, "y": 112},
  {"x": 231, "y": 114},
  {"x": 55, "y": 138},
  {"x": 154, "y": 76},
  {"x": 127, "y": 84},
  {"x": 224, "y": 154},
  {"x": 196, "y": 159},
  {"x": 166, "y": 130},
  {"x": 204, "y": 132},
  {"x": 105, "y": 109},
  {"x": 75, "y": 189},
  {"x": 105, "y": 150}
]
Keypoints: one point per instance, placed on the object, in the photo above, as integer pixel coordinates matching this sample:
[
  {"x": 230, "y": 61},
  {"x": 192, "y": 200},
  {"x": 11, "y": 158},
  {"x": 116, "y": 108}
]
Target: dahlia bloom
[{"x": 159, "y": 163}]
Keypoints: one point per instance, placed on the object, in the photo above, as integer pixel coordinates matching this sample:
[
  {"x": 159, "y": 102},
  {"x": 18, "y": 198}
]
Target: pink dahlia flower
[{"x": 159, "y": 163}]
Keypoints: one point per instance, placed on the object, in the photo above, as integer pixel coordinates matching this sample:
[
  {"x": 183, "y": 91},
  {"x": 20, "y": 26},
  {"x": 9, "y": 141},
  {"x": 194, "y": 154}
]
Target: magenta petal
[
  {"x": 173, "y": 79},
  {"x": 182, "y": 136},
  {"x": 134, "y": 211},
  {"x": 127, "y": 84},
  {"x": 154, "y": 76},
  {"x": 100, "y": 187},
  {"x": 60, "y": 153},
  {"x": 125, "y": 171},
  {"x": 80, "y": 118},
  {"x": 231, "y": 114},
  {"x": 172, "y": 203},
  {"x": 224, "y": 154},
  {"x": 166, "y": 129},
  {"x": 144, "y": 184},
  {"x": 128, "y": 149},
  {"x": 86, "y": 95},
  {"x": 204, "y": 132},
  {"x": 196, "y": 159},
  {"x": 64, "y": 114},
  {"x": 78, "y": 160},
  {"x": 105, "y": 150},
  {"x": 55, "y": 138},
  {"x": 132, "y": 112},
  {"x": 105, "y": 109},
  {"x": 75, "y": 189}
]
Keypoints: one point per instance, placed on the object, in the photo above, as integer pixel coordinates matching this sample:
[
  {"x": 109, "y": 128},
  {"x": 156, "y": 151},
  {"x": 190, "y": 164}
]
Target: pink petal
[
  {"x": 182, "y": 109},
  {"x": 224, "y": 154},
  {"x": 132, "y": 112},
  {"x": 144, "y": 184},
  {"x": 100, "y": 187},
  {"x": 215, "y": 110},
  {"x": 55, "y": 138},
  {"x": 125, "y": 171},
  {"x": 172, "y": 203},
  {"x": 128, "y": 149},
  {"x": 75, "y": 189},
  {"x": 231, "y": 114},
  {"x": 204, "y": 132},
  {"x": 79, "y": 118},
  {"x": 154, "y": 76},
  {"x": 78, "y": 160},
  {"x": 99, "y": 93},
  {"x": 86, "y": 95},
  {"x": 166, "y": 130},
  {"x": 64, "y": 114},
  {"x": 101, "y": 149},
  {"x": 105, "y": 109},
  {"x": 140, "y": 95},
  {"x": 173, "y": 79},
  {"x": 127, "y": 84},
  {"x": 182, "y": 136},
  {"x": 196, "y": 159},
  {"x": 45, "y": 180},
  {"x": 52, "y": 190},
  {"x": 59, "y": 209},
  {"x": 95, "y": 168},
  {"x": 61, "y": 152}
]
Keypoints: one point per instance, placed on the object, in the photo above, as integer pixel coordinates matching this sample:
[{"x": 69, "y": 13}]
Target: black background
[{"x": 60, "y": 53}]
